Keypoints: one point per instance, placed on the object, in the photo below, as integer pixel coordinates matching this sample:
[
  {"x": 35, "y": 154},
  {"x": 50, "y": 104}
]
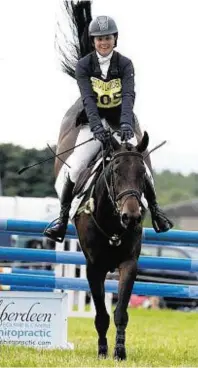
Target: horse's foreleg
[
  {"x": 96, "y": 279},
  {"x": 128, "y": 272}
]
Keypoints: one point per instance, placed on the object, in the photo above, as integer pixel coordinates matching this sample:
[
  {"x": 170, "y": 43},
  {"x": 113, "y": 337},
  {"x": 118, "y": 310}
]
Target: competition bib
[{"x": 108, "y": 93}]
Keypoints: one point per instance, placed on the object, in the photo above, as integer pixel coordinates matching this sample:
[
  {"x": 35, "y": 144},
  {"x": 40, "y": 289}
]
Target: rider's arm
[
  {"x": 128, "y": 94},
  {"x": 87, "y": 94}
]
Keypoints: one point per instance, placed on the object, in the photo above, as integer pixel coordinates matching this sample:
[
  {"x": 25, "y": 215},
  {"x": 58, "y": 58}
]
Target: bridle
[
  {"x": 115, "y": 239},
  {"x": 128, "y": 192}
]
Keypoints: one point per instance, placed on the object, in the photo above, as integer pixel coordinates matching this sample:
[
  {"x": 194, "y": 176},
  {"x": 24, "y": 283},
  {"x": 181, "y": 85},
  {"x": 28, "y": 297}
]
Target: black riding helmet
[{"x": 102, "y": 26}]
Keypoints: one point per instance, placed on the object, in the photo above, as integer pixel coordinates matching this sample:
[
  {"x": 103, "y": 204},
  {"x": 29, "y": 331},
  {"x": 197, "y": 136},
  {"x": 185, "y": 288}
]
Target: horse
[{"x": 110, "y": 236}]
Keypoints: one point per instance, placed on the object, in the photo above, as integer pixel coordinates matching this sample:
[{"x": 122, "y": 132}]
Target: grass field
[{"x": 154, "y": 339}]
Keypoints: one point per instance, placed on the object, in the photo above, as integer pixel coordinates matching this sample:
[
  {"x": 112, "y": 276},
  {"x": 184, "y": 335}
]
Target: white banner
[{"x": 34, "y": 319}]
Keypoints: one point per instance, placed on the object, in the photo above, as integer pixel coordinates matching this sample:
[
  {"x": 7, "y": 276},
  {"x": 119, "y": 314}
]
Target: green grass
[{"x": 155, "y": 338}]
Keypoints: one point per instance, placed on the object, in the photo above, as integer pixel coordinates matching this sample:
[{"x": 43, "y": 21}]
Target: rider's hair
[{"x": 78, "y": 16}]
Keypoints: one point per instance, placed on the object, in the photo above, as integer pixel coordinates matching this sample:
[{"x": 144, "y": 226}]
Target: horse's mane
[{"x": 71, "y": 37}]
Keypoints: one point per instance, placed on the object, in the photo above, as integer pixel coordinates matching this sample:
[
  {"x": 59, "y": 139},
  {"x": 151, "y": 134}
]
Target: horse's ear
[{"x": 143, "y": 144}]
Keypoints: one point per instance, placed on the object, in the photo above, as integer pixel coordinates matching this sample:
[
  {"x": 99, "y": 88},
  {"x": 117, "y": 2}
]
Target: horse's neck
[{"x": 101, "y": 191}]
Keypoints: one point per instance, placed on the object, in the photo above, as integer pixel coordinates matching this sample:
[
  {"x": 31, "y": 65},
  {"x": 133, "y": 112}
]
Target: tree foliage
[
  {"x": 39, "y": 181},
  {"x": 35, "y": 182}
]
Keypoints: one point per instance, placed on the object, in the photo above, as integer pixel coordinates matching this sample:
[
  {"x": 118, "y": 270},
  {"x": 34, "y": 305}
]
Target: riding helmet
[{"x": 102, "y": 26}]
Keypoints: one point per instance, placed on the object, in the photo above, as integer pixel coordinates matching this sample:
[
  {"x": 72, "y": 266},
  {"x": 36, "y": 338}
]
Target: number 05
[{"x": 116, "y": 97}]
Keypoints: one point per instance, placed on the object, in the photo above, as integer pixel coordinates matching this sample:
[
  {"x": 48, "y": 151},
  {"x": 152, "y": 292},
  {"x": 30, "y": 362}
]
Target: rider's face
[{"x": 104, "y": 44}]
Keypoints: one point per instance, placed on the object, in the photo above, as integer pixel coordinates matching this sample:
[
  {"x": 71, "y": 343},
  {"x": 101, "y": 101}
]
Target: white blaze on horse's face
[{"x": 104, "y": 44}]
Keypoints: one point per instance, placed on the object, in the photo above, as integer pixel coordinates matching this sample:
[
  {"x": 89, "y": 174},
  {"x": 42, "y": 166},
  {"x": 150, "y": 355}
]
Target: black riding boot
[
  {"x": 58, "y": 231},
  {"x": 159, "y": 220}
]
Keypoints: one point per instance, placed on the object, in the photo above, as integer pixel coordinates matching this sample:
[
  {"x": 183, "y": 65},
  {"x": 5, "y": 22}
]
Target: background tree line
[{"x": 39, "y": 181}]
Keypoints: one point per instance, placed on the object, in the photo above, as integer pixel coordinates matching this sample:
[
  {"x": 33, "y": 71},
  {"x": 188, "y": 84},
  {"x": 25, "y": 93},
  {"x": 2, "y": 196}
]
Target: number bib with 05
[{"x": 108, "y": 93}]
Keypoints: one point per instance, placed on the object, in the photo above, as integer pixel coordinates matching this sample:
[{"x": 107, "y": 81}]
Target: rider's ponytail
[{"x": 71, "y": 38}]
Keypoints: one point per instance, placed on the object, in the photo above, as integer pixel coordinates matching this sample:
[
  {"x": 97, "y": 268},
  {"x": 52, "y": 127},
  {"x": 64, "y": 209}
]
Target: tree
[{"x": 37, "y": 181}]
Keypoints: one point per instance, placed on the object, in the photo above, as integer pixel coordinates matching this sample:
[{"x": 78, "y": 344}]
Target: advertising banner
[{"x": 34, "y": 319}]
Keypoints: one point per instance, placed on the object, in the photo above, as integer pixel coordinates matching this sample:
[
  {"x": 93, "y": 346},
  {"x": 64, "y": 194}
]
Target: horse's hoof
[
  {"x": 102, "y": 351},
  {"x": 120, "y": 353}
]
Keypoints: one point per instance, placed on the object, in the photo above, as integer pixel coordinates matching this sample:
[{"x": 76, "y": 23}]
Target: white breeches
[{"x": 82, "y": 156}]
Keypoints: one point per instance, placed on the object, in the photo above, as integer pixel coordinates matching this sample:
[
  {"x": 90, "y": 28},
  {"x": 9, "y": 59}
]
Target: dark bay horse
[{"x": 110, "y": 236}]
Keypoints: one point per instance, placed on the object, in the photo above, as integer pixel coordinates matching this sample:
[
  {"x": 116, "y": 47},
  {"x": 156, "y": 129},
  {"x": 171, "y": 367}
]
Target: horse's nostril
[
  {"x": 133, "y": 220},
  {"x": 125, "y": 218}
]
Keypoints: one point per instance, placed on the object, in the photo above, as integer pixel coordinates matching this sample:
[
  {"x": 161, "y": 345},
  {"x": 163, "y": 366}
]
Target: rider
[{"x": 106, "y": 82}]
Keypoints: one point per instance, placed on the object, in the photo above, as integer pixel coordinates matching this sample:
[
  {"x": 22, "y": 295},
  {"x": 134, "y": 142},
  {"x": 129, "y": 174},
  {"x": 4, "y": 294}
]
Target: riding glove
[
  {"x": 99, "y": 133},
  {"x": 126, "y": 132}
]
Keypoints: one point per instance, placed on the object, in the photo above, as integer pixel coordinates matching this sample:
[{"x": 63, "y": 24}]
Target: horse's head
[{"x": 127, "y": 181}]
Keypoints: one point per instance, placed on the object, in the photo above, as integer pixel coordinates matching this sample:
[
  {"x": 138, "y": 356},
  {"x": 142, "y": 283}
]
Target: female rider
[{"x": 106, "y": 82}]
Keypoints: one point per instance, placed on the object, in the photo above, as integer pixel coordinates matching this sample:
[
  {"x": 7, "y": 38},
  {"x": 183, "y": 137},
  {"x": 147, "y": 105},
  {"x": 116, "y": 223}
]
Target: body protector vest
[
  {"x": 111, "y": 98},
  {"x": 108, "y": 91}
]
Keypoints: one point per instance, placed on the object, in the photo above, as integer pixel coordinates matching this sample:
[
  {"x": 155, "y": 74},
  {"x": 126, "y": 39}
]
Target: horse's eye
[{"x": 117, "y": 162}]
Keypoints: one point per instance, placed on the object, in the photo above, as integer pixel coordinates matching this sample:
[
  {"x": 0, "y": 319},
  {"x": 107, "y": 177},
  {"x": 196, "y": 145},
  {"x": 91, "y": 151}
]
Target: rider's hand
[
  {"x": 126, "y": 132},
  {"x": 99, "y": 133}
]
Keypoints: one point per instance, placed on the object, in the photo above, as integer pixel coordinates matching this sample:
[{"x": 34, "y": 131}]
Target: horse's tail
[{"x": 71, "y": 38}]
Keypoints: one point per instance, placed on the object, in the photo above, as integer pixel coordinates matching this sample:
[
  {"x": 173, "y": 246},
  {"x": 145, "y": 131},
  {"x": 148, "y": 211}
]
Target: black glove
[
  {"x": 99, "y": 133},
  {"x": 126, "y": 132}
]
